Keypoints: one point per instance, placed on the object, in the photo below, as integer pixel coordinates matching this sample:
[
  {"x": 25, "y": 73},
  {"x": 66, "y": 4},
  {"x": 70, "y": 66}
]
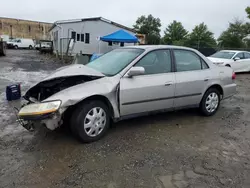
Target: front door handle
[
  {"x": 168, "y": 83},
  {"x": 206, "y": 79}
]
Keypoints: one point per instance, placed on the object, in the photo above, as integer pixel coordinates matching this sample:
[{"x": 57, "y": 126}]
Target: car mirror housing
[
  {"x": 135, "y": 71},
  {"x": 236, "y": 58}
]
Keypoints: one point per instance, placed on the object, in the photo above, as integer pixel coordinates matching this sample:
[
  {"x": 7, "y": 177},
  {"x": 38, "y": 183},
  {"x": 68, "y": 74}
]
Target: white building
[{"x": 86, "y": 33}]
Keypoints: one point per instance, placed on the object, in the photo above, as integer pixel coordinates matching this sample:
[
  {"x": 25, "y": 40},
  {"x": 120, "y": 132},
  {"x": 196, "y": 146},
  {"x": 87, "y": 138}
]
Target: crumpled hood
[
  {"x": 74, "y": 70},
  {"x": 219, "y": 60}
]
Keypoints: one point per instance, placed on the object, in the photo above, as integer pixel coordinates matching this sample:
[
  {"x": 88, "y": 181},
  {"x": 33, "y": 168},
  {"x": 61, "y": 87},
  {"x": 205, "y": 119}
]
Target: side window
[
  {"x": 156, "y": 62},
  {"x": 204, "y": 64},
  {"x": 247, "y": 55},
  {"x": 18, "y": 41},
  {"x": 187, "y": 61},
  {"x": 240, "y": 55}
]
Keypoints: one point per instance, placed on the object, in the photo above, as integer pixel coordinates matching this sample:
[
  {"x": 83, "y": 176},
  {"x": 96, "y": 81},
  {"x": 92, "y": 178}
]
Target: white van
[{"x": 23, "y": 43}]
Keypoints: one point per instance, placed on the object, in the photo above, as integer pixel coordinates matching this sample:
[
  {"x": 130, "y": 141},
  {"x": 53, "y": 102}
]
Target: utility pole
[{"x": 11, "y": 31}]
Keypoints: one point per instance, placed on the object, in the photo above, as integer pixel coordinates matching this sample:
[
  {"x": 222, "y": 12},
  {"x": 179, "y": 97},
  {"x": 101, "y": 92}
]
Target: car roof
[
  {"x": 235, "y": 51},
  {"x": 154, "y": 47}
]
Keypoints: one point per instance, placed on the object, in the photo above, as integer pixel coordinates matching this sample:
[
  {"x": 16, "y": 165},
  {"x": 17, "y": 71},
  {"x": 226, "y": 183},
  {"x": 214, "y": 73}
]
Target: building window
[
  {"x": 122, "y": 44},
  {"x": 29, "y": 28},
  {"x": 73, "y": 35},
  {"x": 110, "y": 43},
  {"x": 87, "y": 38},
  {"x": 82, "y": 37},
  {"x": 78, "y": 37}
]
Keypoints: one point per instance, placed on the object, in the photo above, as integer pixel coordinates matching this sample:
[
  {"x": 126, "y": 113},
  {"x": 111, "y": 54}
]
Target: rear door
[
  {"x": 192, "y": 78},
  {"x": 152, "y": 91}
]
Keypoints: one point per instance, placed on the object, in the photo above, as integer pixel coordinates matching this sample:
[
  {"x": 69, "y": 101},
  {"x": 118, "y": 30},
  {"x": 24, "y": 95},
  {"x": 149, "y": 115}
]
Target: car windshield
[
  {"x": 223, "y": 55},
  {"x": 113, "y": 62}
]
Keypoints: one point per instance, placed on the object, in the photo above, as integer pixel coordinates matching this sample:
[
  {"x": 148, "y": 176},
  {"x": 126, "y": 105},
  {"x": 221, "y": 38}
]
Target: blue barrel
[{"x": 13, "y": 92}]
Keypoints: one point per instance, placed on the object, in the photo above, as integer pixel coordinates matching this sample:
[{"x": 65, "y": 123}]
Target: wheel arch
[
  {"x": 102, "y": 98},
  {"x": 216, "y": 86}
]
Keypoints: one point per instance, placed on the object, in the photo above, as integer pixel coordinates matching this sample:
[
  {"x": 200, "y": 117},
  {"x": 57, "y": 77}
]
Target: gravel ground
[{"x": 172, "y": 150}]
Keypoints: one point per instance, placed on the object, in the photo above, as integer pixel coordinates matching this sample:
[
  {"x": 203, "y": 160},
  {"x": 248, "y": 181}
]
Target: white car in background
[
  {"x": 239, "y": 61},
  {"x": 23, "y": 43}
]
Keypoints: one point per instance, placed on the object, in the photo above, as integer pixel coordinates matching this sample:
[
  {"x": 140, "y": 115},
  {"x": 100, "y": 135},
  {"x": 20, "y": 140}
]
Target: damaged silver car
[{"x": 124, "y": 83}]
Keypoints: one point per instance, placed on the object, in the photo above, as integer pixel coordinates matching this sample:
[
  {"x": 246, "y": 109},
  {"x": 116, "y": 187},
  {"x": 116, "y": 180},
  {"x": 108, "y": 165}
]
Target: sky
[{"x": 215, "y": 13}]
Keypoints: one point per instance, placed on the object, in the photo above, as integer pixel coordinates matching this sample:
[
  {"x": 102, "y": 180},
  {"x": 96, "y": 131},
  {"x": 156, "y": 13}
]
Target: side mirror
[
  {"x": 135, "y": 71},
  {"x": 236, "y": 58}
]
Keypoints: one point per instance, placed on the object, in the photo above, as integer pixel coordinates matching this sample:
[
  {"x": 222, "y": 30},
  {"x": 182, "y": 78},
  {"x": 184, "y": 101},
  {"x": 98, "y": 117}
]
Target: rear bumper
[{"x": 229, "y": 90}]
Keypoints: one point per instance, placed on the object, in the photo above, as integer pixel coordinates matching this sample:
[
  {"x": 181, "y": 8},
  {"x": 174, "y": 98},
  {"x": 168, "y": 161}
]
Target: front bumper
[
  {"x": 51, "y": 120},
  {"x": 10, "y": 46}
]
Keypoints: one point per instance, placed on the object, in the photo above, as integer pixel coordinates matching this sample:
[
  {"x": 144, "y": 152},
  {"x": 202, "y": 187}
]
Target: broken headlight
[{"x": 40, "y": 108}]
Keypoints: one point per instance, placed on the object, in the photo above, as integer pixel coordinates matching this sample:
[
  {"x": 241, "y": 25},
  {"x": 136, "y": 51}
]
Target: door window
[
  {"x": 156, "y": 62},
  {"x": 187, "y": 61},
  {"x": 204, "y": 64},
  {"x": 247, "y": 55},
  {"x": 240, "y": 55}
]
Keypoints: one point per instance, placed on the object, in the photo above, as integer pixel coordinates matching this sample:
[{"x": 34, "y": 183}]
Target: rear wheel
[
  {"x": 210, "y": 102},
  {"x": 90, "y": 121},
  {"x": 16, "y": 47},
  {"x": 30, "y": 47}
]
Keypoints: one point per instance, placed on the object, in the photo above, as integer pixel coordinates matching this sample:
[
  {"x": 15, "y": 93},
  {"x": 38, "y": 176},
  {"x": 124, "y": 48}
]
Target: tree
[
  {"x": 233, "y": 36},
  {"x": 175, "y": 34},
  {"x": 230, "y": 40},
  {"x": 201, "y": 37},
  {"x": 149, "y": 26},
  {"x": 248, "y": 12}
]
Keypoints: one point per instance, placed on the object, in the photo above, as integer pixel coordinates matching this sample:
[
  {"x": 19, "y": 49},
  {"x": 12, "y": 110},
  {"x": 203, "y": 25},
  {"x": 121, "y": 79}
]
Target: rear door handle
[
  {"x": 206, "y": 79},
  {"x": 168, "y": 83}
]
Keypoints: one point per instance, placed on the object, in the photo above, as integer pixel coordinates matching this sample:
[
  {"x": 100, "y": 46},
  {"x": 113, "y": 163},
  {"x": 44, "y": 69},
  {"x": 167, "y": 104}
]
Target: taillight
[{"x": 233, "y": 76}]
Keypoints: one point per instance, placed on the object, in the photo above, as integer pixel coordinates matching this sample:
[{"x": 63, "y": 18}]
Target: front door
[
  {"x": 152, "y": 91},
  {"x": 239, "y": 65},
  {"x": 192, "y": 78}
]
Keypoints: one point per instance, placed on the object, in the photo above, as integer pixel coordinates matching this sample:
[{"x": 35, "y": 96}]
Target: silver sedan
[{"x": 124, "y": 83}]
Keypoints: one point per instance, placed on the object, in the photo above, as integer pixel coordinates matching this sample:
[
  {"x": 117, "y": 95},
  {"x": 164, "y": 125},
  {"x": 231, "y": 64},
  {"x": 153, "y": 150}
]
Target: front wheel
[
  {"x": 90, "y": 121},
  {"x": 210, "y": 102},
  {"x": 16, "y": 47},
  {"x": 30, "y": 47}
]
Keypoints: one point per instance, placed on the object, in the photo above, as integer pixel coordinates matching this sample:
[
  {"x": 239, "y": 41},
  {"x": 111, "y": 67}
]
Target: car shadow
[{"x": 63, "y": 134}]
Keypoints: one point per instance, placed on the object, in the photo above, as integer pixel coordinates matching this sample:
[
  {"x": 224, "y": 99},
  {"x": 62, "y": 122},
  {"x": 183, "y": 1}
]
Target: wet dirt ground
[{"x": 171, "y": 150}]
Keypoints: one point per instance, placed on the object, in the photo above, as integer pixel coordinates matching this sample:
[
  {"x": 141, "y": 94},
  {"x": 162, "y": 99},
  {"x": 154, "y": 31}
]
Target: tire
[
  {"x": 210, "y": 95},
  {"x": 4, "y": 51},
  {"x": 90, "y": 121},
  {"x": 227, "y": 65},
  {"x": 30, "y": 47},
  {"x": 16, "y": 47}
]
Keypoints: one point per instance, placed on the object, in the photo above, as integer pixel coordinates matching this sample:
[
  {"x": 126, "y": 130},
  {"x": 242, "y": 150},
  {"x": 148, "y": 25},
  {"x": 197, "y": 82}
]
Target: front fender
[{"x": 105, "y": 87}]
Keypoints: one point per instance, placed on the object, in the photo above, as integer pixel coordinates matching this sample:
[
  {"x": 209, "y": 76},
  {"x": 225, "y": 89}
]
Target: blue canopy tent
[{"x": 120, "y": 36}]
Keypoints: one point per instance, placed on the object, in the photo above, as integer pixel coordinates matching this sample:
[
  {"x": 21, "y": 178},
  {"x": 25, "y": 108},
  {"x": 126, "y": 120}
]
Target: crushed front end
[
  {"x": 39, "y": 110},
  {"x": 44, "y": 113}
]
